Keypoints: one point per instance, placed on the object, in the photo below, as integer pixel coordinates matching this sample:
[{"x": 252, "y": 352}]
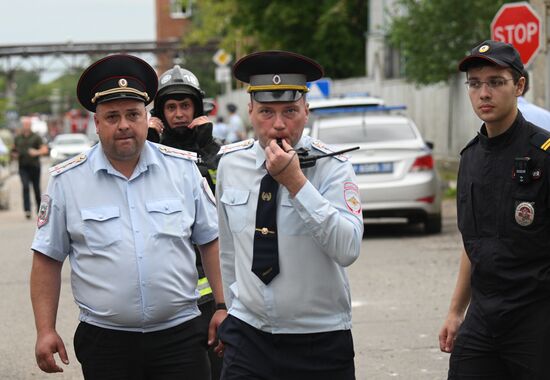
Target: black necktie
[{"x": 265, "y": 261}]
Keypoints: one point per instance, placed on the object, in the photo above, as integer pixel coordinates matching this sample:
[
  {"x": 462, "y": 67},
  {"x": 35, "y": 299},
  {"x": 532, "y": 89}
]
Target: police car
[
  {"x": 67, "y": 145},
  {"x": 394, "y": 165}
]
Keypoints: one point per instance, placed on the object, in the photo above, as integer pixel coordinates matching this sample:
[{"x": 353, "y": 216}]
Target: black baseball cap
[
  {"x": 118, "y": 76},
  {"x": 276, "y": 75},
  {"x": 496, "y": 52}
]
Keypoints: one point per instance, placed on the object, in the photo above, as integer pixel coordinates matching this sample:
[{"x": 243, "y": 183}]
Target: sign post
[
  {"x": 519, "y": 25},
  {"x": 223, "y": 72}
]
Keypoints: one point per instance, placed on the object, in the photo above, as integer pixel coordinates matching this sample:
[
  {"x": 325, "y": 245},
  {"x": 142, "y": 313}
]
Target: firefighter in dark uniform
[
  {"x": 178, "y": 120},
  {"x": 503, "y": 206}
]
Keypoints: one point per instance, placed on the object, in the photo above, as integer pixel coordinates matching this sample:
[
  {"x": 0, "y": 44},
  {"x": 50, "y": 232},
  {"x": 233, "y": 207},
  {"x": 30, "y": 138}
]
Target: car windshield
[{"x": 357, "y": 130}]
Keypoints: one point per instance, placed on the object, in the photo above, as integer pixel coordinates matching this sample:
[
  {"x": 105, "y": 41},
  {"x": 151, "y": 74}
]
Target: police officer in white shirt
[
  {"x": 286, "y": 235},
  {"x": 126, "y": 213}
]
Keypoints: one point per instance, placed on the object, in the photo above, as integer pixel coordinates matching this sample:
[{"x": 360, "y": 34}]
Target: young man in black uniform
[
  {"x": 179, "y": 121},
  {"x": 503, "y": 207}
]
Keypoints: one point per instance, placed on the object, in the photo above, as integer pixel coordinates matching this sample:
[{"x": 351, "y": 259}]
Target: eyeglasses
[{"x": 493, "y": 83}]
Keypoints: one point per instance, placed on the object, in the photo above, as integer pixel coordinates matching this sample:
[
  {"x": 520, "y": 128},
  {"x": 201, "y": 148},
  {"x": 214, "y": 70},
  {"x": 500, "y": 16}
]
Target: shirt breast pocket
[
  {"x": 528, "y": 210},
  {"x": 235, "y": 202},
  {"x": 102, "y": 226},
  {"x": 166, "y": 217},
  {"x": 467, "y": 223}
]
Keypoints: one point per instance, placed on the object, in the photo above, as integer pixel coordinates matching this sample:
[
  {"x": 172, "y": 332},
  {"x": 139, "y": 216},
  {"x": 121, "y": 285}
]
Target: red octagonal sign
[{"x": 518, "y": 24}]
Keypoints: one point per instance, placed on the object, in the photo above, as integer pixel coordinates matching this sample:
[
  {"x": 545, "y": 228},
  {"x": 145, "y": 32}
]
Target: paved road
[{"x": 401, "y": 287}]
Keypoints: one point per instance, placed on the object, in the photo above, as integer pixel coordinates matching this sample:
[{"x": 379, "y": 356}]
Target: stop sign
[{"x": 519, "y": 25}]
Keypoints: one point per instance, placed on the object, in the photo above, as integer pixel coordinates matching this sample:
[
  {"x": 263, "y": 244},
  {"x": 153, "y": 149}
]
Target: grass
[{"x": 447, "y": 173}]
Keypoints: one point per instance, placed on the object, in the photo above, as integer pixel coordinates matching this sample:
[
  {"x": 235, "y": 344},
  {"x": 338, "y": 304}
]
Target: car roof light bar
[{"x": 356, "y": 109}]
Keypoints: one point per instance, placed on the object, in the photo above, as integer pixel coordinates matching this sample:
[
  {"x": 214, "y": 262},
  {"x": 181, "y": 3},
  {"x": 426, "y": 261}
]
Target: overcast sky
[
  {"x": 61, "y": 21},
  {"x": 57, "y": 21}
]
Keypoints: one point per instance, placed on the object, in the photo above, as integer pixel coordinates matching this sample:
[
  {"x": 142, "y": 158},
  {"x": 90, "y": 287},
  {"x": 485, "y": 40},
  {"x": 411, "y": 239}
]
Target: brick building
[{"x": 173, "y": 19}]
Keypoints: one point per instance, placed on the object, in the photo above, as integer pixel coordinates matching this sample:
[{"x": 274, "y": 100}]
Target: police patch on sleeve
[
  {"x": 351, "y": 196},
  {"x": 208, "y": 191},
  {"x": 44, "y": 210}
]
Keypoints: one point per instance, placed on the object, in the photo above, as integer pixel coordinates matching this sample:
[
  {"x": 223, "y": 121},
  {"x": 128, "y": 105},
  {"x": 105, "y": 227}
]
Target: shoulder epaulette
[
  {"x": 541, "y": 141},
  {"x": 319, "y": 145},
  {"x": 240, "y": 145},
  {"x": 68, "y": 164},
  {"x": 179, "y": 153},
  {"x": 470, "y": 143}
]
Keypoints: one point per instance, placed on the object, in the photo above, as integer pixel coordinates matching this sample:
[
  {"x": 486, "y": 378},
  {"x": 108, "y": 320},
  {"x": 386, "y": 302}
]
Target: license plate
[{"x": 374, "y": 168}]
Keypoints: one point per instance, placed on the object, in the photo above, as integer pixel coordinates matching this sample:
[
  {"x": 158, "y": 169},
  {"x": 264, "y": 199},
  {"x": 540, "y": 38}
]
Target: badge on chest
[
  {"x": 524, "y": 171},
  {"x": 525, "y": 213}
]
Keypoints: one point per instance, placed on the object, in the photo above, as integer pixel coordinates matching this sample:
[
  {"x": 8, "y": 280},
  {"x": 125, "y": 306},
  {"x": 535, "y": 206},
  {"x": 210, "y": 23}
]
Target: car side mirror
[{"x": 430, "y": 145}]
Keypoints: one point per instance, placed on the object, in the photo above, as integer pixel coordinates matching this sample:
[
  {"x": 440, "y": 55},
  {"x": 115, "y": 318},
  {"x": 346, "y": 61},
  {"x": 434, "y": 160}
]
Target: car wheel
[{"x": 432, "y": 224}]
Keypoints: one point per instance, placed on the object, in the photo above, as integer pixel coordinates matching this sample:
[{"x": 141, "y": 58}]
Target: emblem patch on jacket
[
  {"x": 44, "y": 210},
  {"x": 525, "y": 214},
  {"x": 351, "y": 196}
]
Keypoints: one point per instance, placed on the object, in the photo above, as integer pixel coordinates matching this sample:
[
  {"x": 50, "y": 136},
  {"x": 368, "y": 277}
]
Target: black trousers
[
  {"x": 208, "y": 309},
  {"x": 30, "y": 175},
  {"x": 514, "y": 348},
  {"x": 254, "y": 354},
  {"x": 175, "y": 353}
]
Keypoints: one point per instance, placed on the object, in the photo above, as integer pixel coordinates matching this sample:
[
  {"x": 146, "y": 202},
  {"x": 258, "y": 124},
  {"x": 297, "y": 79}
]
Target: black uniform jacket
[{"x": 505, "y": 225}]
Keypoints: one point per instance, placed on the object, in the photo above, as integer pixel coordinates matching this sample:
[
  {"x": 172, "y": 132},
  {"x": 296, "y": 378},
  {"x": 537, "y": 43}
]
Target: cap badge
[
  {"x": 525, "y": 214},
  {"x": 276, "y": 79},
  {"x": 484, "y": 48},
  {"x": 122, "y": 82}
]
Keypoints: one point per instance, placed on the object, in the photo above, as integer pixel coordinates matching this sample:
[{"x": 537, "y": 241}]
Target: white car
[
  {"x": 344, "y": 102},
  {"x": 68, "y": 145},
  {"x": 394, "y": 165}
]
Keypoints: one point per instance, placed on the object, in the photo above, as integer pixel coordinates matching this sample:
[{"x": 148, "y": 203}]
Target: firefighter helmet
[{"x": 179, "y": 82}]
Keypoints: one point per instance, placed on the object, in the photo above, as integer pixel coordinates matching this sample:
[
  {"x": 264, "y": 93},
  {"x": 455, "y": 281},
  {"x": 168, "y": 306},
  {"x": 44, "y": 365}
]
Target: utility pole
[{"x": 541, "y": 65}]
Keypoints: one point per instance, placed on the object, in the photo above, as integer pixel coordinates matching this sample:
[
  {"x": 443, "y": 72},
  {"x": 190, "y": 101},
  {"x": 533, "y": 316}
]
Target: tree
[
  {"x": 433, "y": 35},
  {"x": 3, "y": 102},
  {"x": 330, "y": 31},
  {"x": 35, "y": 97}
]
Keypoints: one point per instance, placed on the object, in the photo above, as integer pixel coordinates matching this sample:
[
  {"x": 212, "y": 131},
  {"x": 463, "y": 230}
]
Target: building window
[{"x": 180, "y": 8}]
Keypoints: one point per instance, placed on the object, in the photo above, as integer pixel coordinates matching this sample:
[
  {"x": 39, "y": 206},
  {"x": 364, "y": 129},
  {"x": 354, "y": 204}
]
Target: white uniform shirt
[
  {"x": 534, "y": 114},
  {"x": 130, "y": 241},
  {"x": 319, "y": 231},
  {"x": 234, "y": 128}
]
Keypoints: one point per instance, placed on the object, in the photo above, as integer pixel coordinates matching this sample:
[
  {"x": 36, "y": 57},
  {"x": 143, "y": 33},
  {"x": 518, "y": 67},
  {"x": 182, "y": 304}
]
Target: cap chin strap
[{"x": 118, "y": 90}]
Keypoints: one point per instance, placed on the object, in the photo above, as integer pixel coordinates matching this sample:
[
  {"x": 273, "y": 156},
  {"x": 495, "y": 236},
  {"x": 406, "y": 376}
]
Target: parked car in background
[
  {"x": 340, "y": 104},
  {"x": 394, "y": 165},
  {"x": 67, "y": 145}
]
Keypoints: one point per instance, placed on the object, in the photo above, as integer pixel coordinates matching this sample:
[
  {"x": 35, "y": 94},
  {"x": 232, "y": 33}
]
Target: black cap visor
[
  {"x": 277, "y": 96},
  {"x": 120, "y": 96}
]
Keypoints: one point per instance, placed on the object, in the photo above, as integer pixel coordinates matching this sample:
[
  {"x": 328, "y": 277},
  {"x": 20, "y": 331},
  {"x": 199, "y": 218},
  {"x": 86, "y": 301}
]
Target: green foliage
[
  {"x": 330, "y": 31},
  {"x": 434, "y": 35},
  {"x": 3, "y": 102},
  {"x": 36, "y": 97}
]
